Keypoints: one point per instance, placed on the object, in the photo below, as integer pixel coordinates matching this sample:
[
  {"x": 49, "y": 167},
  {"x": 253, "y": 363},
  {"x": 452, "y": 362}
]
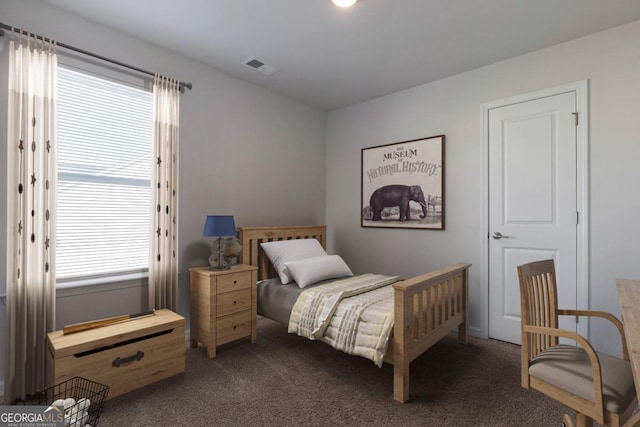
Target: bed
[{"x": 426, "y": 307}]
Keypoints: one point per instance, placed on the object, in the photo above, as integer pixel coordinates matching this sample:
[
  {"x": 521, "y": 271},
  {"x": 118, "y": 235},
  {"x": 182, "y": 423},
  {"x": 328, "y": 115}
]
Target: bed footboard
[{"x": 427, "y": 308}]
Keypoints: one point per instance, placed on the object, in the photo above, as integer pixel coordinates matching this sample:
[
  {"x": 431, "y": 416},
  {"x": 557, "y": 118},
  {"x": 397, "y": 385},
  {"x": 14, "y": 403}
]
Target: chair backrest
[{"x": 538, "y": 305}]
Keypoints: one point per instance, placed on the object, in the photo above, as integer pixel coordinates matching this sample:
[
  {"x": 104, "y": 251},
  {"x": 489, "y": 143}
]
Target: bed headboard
[{"x": 251, "y": 237}]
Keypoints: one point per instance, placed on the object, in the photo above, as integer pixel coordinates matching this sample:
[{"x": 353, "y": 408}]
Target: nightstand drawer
[
  {"x": 233, "y": 302},
  {"x": 234, "y": 281},
  {"x": 233, "y": 327}
]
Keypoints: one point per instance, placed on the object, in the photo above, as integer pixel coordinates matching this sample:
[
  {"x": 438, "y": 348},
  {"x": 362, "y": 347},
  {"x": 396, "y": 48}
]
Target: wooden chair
[{"x": 597, "y": 386}]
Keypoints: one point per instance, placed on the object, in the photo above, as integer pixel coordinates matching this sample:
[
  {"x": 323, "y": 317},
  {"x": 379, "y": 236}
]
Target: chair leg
[
  {"x": 634, "y": 421},
  {"x": 567, "y": 421},
  {"x": 583, "y": 421}
]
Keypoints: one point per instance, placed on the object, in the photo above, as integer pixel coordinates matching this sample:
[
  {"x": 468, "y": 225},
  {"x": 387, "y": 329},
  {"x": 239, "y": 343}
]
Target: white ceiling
[{"x": 331, "y": 57}]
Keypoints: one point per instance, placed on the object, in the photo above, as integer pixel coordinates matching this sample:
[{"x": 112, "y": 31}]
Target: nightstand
[{"x": 223, "y": 306}]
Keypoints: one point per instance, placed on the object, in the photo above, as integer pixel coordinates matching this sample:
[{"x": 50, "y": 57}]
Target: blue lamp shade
[{"x": 219, "y": 226}]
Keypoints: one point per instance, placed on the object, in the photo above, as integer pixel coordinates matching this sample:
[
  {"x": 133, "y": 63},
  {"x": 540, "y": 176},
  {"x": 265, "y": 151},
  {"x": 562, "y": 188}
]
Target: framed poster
[{"x": 403, "y": 184}]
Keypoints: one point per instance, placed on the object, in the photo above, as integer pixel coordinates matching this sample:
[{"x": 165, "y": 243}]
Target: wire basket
[{"x": 89, "y": 396}]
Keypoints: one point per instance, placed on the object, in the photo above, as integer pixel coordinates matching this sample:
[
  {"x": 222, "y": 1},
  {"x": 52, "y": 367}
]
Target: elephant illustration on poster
[{"x": 397, "y": 195}]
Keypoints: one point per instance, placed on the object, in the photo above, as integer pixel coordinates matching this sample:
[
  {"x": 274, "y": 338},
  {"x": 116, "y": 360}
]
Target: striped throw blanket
[{"x": 354, "y": 315}]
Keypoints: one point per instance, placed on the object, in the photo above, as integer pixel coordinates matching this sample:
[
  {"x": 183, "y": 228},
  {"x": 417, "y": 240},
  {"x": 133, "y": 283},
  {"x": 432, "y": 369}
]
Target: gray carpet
[{"x": 285, "y": 380}]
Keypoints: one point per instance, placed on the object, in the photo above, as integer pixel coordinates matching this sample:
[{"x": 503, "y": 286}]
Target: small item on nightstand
[{"x": 232, "y": 247}]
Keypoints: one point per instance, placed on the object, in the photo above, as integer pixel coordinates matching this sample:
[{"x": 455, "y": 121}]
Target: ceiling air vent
[{"x": 261, "y": 66}]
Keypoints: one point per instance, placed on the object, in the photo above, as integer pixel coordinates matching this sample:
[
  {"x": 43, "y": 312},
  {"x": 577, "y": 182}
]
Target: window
[{"x": 105, "y": 136}]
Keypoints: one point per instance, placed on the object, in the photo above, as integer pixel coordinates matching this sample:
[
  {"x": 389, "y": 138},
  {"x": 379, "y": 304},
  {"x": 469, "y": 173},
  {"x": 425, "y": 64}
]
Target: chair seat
[{"x": 569, "y": 368}]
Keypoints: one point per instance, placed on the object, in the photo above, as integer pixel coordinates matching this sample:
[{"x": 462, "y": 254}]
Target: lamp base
[{"x": 216, "y": 260}]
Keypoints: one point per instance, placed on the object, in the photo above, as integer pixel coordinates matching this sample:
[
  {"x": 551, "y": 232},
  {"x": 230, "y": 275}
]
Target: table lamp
[{"x": 219, "y": 226}]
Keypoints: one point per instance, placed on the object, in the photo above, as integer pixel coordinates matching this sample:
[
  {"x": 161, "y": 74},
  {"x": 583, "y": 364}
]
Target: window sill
[{"x": 102, "y": 284}]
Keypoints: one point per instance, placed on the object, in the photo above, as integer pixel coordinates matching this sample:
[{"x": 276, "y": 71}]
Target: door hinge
[
  {"x": 576, "y": 117},
  {"x": 577, "y": 217}
]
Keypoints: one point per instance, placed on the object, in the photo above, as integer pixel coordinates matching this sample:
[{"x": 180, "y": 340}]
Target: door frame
[{"x": 581, "y": 88}]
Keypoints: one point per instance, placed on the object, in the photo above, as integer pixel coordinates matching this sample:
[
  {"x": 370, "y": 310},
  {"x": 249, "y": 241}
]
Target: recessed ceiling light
[{"x": 344, "y": 3}]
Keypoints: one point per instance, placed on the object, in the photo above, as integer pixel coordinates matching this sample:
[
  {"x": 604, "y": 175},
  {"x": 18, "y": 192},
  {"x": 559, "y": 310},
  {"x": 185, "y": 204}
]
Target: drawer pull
[
  {"x": 235, "y": 302},
  {"x": 136, "y": 357}
]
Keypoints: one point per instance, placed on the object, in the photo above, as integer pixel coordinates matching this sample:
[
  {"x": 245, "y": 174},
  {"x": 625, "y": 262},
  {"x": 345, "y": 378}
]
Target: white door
[{"x": 532, "y": 203}]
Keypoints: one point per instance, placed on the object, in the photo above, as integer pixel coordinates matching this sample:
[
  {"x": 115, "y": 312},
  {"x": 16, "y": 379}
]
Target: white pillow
[
  {"x": 312, "y": 270},
  {"x": 283, "y": 251}
]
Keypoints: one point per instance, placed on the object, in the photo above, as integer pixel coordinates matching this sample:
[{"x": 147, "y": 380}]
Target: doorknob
[{"x": 498, "y": 235}]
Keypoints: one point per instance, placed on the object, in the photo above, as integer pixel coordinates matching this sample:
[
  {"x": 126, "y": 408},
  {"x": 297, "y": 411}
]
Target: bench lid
[{"x": 61, "y": 345}]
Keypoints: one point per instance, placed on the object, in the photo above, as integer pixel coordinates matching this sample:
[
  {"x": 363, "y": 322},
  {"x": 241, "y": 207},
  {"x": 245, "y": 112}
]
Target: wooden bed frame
[{"x": 427, "y": 307}]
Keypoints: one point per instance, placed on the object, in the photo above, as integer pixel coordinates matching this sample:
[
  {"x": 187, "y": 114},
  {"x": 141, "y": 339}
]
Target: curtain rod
[{"x": 87, "y": 53}]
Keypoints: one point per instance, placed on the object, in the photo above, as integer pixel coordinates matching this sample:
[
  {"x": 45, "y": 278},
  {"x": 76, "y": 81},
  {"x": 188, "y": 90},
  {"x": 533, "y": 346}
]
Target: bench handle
[{"x": 136, "y": 357}]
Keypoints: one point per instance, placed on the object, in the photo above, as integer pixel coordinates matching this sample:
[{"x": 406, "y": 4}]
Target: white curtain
[
  {"x": 31, "y": 212},
  {"x": 163, "y": 263}
]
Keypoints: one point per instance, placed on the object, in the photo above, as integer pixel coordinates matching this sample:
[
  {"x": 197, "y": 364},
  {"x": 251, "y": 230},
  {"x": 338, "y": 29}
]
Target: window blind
[{"x": 105, "y": 136}]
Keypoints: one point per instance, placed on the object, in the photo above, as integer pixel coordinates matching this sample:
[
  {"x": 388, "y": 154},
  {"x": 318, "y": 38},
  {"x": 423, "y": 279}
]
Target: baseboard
[{"x": 475, "y": 332}]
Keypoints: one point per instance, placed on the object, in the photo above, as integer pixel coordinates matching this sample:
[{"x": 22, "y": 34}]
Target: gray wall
[
  {"x": 240, "y": 146},
  {"x": 609, "y": 60}
]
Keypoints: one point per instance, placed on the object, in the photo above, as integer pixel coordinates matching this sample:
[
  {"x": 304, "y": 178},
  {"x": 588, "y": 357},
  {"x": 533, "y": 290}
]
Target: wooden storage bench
[{"x": 124, "y": 356}]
